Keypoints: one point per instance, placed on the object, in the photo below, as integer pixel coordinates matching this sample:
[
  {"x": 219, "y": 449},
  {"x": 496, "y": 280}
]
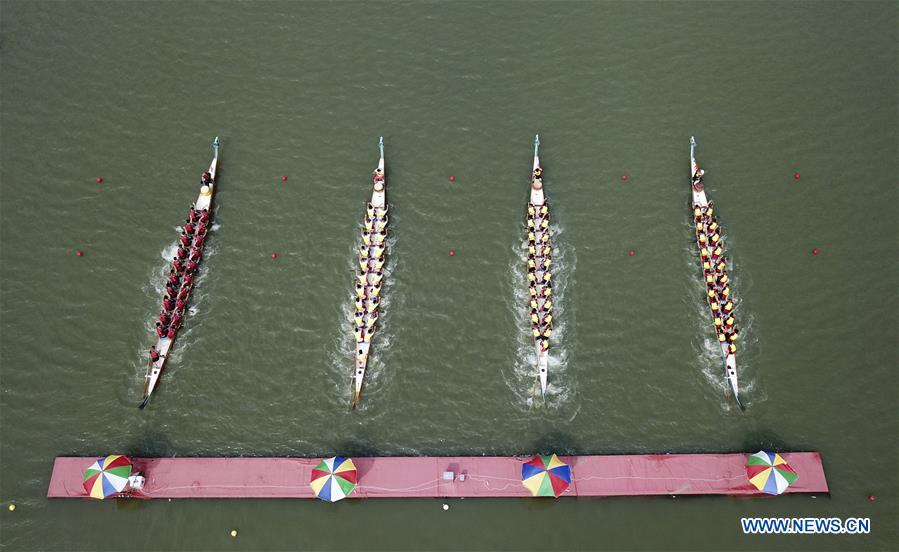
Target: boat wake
[{"x": 521, "y": 378}]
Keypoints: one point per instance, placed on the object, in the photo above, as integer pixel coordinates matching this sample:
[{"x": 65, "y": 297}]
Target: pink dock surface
[{"x": 403, "y": 477}]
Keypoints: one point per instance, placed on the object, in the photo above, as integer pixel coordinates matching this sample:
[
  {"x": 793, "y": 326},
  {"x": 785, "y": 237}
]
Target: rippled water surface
[{"x": 134, "y": 92}]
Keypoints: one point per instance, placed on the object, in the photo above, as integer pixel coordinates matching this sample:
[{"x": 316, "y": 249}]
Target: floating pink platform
[{"x": 428, "y": 477}]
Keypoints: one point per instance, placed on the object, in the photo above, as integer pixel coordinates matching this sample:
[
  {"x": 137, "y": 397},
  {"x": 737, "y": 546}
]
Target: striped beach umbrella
[
  {"x": 333, "y": 478},
  {"x": 107, "y": 476},
  {"x": 546, "y": 475},
  {"x": 769, "y": 472}
]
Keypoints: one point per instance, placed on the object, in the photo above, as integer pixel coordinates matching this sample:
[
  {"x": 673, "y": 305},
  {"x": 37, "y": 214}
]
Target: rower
[
  {"x": 357, "y": 333},
  {"x": 179, "y": 304},
  {"x": 544, "y": 237},
  {"x": 532, "y": 250},
  {"x": 713, "y": 223},
  {"x": 531, "y": 264},
  {"x": 362, "y": 278},
  {"x": 379, "y": 264},
  {"x": 548, "y": 319},
  {"x": 714, "y": 238},
  {"x": 380, "y": 225},
  {"x": 363, "y": 264},
  {"x": 713, "y": 304},
  {"x": 189, "y": 228},
  {"x": 732, "y": 336},
  {"x": 154, "y": 354},
  {"x": 377, "y": 277},
  {"x": 377, "y": 251},
  {"x": 369, "y": 224},
  {"x": 176, "y": 319},
  {"x": 171, "y": 333},
  {"x": 176, "y": 265},
  {"x": 717, "y": 252},
  {"x": 188, "y": 280},
  {"x": 531, "y": 210},
  {"x": 381, "y": 212},
  {"x": 725, "y": 292},
  {"x": 530, "y": 224},
  {"x": 544, "y": 224},
  {"x": 204, "y": 216},
  {"x": 544, "y": 343},
  {"x": 704, "y": 253},
  {"x": 181, "y": 253},
  {"x": 547, "y": 291},
  {"x": 532, "y": 277},
  {"x": 547, "y": 305},
  {"x": 198, "y": 241},
  {"x": 729, "y": 306},
  {"x": 547, "y": 250},
  {"x": 195, "y": 255},
  {"x": 358, "y": 320},
  {"x": 533, "y": 291},
  {"x": 378, "y": 238},
  {"x": 360, "y": 290},
  {"x": 160, "y": 330},
  {"x": 708, "y": 212},
  {"x": 374, "y": 291},
  {"x": 730, "y": 321},
  {"x": 531, "y": 238},
  {"x": 201, "y": 229},
  {"x": 164, "y": 318},
  {"x": 167, "y": 303},
  {"x": 534, "y": 318},
  {"x": 697, "y": 213},
  {"x": 709, "y": 279},
  {"x": 732, "y": 349},
  {"x": 370, "y": 210},
  {"x": 359, "y": 303},
  {"x": 718, "y": 323},
  {"x": 173, "y": 278},
  {"x": 546, "y": 263},
  {"x": 721, "y": 266},
  {"x": 536, "y": 331},
  {"x": 185, "y": 239},
  {"x": 721, "y": 337},
  {"x": 373, "y": 304},
  {"x": 372, "y": 318},
  {"x": 547, "y": 276},
  {"x": 366, "y": 238},
  {"x": 169, "y": 289},
  {"x": 706, "y": 266},
  {"x": 191, "y": 266},
  {"x": 703, "y": 239},
  {"x": 533, "y": 304},
  {"x": 722, "y": 280}
]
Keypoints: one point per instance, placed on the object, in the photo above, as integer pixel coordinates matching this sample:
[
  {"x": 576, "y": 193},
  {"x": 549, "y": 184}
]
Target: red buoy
[
  {"x": 452, "y": 252},
  {"x": 871, "y": 498},
  {"x": 99, "y": 180},
  {"x": 284, "y": 178},
  {"x": 797, "y": 176},
  {"x": 624, "y": 178},
  {"x": 815, "y": 251},
  {"x": 79, "y": 253},
  {"x": 274, "y": 255},
  {"x": 631, "y": 252},
  {"x": 452, "y": 178}
]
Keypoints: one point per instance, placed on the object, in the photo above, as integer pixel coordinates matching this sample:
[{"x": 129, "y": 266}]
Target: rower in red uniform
[
  {"x": 195, "y": 255},
  {"x": 176, "y": 319},
  {"x": 188, "y": 280},
  {"x": 204, "y": 216},
  {"x": 185, "y": 239},
  {"x": 181, "y": 253},
  {"x": 167, "y": 303},
  {"x": 160, "y": 330},
  {"x": 191, "y": 266},
  {"x": 185, "y": 291},
  {"x": 201, "y": 229},
  {"x": 189, "y": 228},
  {"x": 170, "y": 289},
  {"x": 171, "y": 333},
  {"x": 154, "y": 354},
  {"x": 164, "y": 318},
  {"x": 177, "y": 266},
  {"x": 179, "y": 304},
  {"x": 206, "y": 178},
  {"x": 198, "y": 241}
]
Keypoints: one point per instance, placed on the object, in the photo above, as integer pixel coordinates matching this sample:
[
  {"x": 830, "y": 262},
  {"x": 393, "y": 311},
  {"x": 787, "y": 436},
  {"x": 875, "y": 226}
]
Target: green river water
[{"x": 134, "y": 92}]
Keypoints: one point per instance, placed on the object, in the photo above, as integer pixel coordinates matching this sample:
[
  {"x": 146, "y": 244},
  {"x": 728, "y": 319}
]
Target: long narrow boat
[
  {"x": 539, "y": 261},
  {"x": 710, "y": 243},
  {"x": 182, "y": 275},
  {"x": 369, "y": 277}
]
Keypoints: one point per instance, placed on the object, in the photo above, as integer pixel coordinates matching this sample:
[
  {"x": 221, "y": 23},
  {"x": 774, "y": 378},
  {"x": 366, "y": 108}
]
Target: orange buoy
[
  {"x": 452, "y": 178},
  {"x": 797, "y": 176},
  {"x": 274, "y": 256},
  {"x": 631, "y": 252},
  {"x": 452, "y": 252},
  {"x": 99, "y": 180},
  {"x": 624, "y": 178},
  {"x": 79, "y": 253},
  {"x": 284, "y": 178}
]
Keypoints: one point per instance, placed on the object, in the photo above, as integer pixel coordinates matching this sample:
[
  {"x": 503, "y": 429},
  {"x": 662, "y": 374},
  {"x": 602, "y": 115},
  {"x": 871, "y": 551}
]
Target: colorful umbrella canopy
[
  {"x": 546, "y": 475},
  {"x": 107, "y": 476},
  {"x": 769, "y": 472},
  {"x": 333, "y": 478}
]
